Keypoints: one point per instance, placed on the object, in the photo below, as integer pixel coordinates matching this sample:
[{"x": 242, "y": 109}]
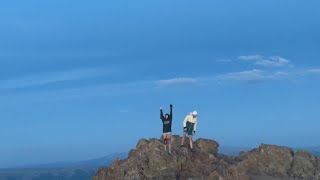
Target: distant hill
[
  {"x": 82, "y": 170},
  {"x": 98, "y": 162},
  {"x": 47, "y": 174}
]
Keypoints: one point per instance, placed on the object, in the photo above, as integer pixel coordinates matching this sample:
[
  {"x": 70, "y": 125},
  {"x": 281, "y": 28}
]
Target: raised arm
[
  {"x": 161, "y": 113},
  {"x": 171, "y": 111}
]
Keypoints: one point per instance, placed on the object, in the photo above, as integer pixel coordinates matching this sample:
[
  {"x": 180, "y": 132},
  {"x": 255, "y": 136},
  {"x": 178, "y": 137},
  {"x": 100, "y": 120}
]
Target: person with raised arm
[{"x": 167, "y": 132}]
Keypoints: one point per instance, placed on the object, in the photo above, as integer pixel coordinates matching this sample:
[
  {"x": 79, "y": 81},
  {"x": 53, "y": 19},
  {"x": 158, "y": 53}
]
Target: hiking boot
[
  {"x": 181, "y": 146},
  {"x": 192, "y": 150},
  {"x": 169, "y": 153}
]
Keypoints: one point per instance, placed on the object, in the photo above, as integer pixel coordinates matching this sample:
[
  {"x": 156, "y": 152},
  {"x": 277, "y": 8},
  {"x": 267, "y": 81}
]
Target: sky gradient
[{"x": 81, "y": 80}]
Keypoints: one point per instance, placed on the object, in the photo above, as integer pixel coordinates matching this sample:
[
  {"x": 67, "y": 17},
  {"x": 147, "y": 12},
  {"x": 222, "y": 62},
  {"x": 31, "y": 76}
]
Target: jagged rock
[
  {"x": 318, "y": 169},
  {"x": 304, "y": 165},
  {"x": 142, "y": 143},
  {"x": 149, "y": 161},
  {"x": 269, "y": 160},
  {"x": 207, "y": 146}
]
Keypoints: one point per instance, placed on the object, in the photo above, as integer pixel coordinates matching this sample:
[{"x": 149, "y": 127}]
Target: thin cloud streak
[
  {"x": 42, "y": 79},
  {"x": 246, "y": 76},
  {"x": 136, "y": 87},
  {"x": 254, "y": 75},
  {"x": 176, "y": 82},
  {"x": 313, "y": 71},
  {"x": 43, "y": 96},
  {"x": 271, "y": 61}
]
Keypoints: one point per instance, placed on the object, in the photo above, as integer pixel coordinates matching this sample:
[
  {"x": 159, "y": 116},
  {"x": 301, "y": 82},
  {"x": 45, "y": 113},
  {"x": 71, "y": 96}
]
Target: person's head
[
  {"x": 194, "y": 114},
  {"x": 167, "y": 116}
]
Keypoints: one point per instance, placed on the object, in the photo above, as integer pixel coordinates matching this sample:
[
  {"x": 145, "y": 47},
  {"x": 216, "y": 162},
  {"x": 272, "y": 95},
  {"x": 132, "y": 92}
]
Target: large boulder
[
  {"x": 150, "y": 161},
  {"x": 304, "y": 165},
  {"x": 208, "y": 146},
  {"x": 268, "y": 160}
]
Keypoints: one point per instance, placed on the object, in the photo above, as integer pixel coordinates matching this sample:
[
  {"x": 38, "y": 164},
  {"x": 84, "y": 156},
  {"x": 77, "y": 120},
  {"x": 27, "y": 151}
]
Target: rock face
[
  {"x": 149, "y": 161},
  {"x": 305, "y": 166},
  {"x": 268, "y": 160}
]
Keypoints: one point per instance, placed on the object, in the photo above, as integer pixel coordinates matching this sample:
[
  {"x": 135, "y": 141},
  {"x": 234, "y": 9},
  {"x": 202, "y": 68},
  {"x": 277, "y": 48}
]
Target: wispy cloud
[
  {"x": 254, "y": 75},
  {"x": 138, "y": 87},
  {"x": 176, "y": 82},
  {"x": 313, "y": 71},
  {"x": 246, "y": 76},
  {"x": 41, "y": 79},
  {"x": 271, "y": 61},
  {"x": 58, "y": 55},
  {"x": 102, "y": 90},
  {"x": 281, "y": 74}
]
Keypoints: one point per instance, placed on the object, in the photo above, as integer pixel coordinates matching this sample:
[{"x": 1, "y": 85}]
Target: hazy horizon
[{"x": 82, "y": 80}]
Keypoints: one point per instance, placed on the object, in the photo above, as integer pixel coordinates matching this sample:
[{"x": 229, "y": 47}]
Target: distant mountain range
[
  {"x": 82, "y": 170},
  {"x": 98, "y": 162}
]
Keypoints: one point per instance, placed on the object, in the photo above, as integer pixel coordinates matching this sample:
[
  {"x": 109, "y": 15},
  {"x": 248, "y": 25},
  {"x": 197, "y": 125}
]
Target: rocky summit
[{"x": 268, "y": 162}]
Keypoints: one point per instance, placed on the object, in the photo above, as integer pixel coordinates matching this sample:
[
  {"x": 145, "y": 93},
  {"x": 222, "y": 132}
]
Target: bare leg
[
  {"x": 169, "y": 143},
  {"x": 183, "y": 138},
  {"x": 191, "y": 142},
  {"x": 165, "y": 146}
]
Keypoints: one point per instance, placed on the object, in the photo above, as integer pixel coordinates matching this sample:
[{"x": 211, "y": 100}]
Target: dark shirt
[{"x": 167, "y": 123}]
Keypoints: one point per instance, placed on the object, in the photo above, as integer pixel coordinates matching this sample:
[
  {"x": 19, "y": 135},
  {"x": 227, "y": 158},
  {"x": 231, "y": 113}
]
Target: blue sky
[{"x": 80, "y": 80}]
